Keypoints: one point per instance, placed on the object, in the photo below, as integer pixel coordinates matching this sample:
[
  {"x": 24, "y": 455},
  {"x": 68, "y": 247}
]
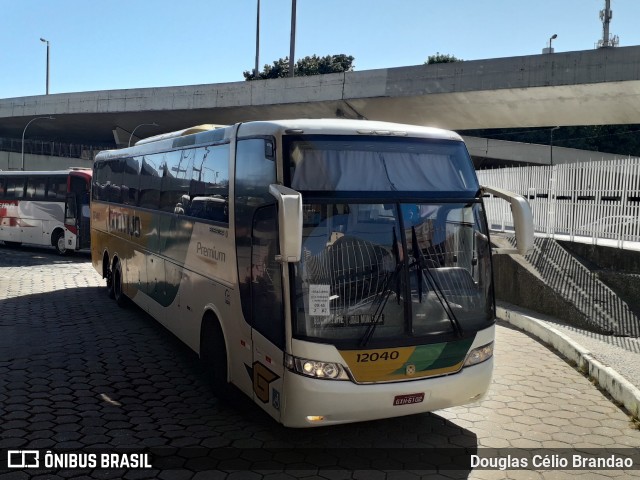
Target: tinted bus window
[
  {"x": 98, "y": 191},
  {"x": 15, "y": 188},
  {"x": 211, "y": 171},
  {"x": 151, "y": 171},
  {"x": 57, "y": 189},
  {"x": 36, "y": 187},
  {"x": 209, "y": 189},
  {"x": 130, "y": 181},
  {"x": 116, "y": 168},
  {"x": 175, "y": 182}
]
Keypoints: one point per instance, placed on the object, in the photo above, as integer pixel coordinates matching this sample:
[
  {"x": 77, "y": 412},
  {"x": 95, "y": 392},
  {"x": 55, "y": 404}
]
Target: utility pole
[
  {"x": 292, "y": 48},
  {"x": 256, "y": 69},
  {"x": 47, "y": 42}
]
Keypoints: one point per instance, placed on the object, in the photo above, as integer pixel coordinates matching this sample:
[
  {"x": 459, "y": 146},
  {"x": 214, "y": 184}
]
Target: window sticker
[{"x": 318, "y": 300}]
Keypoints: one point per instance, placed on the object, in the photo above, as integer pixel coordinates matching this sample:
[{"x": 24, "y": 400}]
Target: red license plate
[{"x": 408, "y": 399}]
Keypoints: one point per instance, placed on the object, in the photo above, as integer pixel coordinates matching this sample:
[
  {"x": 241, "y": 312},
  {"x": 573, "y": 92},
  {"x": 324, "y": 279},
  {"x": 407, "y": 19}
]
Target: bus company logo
[
  {"x": 124, "y": 223},
  {"x": 262, "y": 378},
  {"x": 23, "y": 459},
  {"x": 210, "y": 253}
]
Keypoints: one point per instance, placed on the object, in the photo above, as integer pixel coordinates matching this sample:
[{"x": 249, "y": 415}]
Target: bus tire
[
  {"x": 118, "y": 294},
  {"x": 107, "y": 274},
  {"x": 57, "y": 240},
  {"x": 213, "y": 355}
]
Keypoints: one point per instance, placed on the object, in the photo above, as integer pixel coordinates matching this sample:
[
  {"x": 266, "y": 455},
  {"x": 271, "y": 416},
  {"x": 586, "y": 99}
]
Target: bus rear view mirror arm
[
  {"x": 522, "y": 221},
  {"x": 289, "y": 222}
]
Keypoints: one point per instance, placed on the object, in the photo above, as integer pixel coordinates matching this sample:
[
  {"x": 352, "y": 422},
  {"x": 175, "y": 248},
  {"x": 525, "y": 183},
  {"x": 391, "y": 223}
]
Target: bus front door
[
  {"x": 84, "y": 222},
  {"x": 267, "y": 313},
  {"x": 76, "y": 221},
  {"x": 71, "y": 223}
]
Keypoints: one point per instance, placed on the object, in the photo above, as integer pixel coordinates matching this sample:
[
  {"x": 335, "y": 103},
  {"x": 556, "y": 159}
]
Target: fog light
[{"x": 315, "y": 418}]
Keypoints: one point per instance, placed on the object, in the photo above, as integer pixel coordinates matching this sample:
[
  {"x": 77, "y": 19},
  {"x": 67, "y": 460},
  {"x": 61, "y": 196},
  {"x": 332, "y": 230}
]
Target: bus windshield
[
  {"x": 391, "y": 259},
  {"x": 346, "y": 163},
  {"x": 373, "y": 272}
]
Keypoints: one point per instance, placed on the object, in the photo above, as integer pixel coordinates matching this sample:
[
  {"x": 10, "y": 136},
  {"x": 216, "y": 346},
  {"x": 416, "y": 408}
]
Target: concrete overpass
[{"x": 573, "y": 88}]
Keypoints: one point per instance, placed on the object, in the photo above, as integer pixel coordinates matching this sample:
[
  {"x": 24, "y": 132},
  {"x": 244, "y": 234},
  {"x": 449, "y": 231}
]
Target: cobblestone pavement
[{"x": 78, "y": 373}]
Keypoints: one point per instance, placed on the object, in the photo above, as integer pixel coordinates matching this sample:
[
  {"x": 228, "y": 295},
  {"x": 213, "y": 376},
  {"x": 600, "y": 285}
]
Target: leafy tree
[
  {"x": 442, "y": 58},
  {"x": 306, "y": 66}
]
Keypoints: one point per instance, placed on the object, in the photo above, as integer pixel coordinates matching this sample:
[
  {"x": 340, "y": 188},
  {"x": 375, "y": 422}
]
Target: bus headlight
[
  {"x": 315, "y": 368},
  {"x": 479, "y": 355}
]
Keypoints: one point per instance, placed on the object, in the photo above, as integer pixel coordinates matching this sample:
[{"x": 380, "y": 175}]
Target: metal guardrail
[
  {"x": 591, "y": 200},
  {"x": 53, "y": 149}
]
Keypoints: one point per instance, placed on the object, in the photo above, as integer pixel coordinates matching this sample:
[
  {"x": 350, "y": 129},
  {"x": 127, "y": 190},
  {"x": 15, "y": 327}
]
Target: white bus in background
[
  {"x": 332, "y": 270},
  {"x": 46, "y": 208}
]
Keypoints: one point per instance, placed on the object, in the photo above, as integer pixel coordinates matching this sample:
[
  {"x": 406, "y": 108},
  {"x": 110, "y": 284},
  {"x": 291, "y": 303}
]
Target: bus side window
[
  {"x": 209, "y": 187},
  {"x": 174, "y": 183},
  {"x": 36, "y": 188},
  {"x": 15, "y": 187},
  {"x": 150, "y": 179},
  {"x": 98, "y": 189},
  {"x": 130, "y": 181},
  {"x": 115, "y": 180},
  {"x": 57, "y": 188}
]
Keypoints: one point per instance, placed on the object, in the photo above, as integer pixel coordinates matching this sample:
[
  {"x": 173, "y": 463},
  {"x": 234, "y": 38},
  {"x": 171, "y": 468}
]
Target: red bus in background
[{"x": 46, "y": 208}]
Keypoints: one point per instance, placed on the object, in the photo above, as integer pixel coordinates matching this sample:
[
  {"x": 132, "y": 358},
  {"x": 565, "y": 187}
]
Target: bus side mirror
[
  {"x": 522, "y": 221},
  {"x": 289, "y": 222}
]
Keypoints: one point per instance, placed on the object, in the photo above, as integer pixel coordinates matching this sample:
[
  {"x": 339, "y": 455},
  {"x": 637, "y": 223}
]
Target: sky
[{"x": 120, "y": 44}]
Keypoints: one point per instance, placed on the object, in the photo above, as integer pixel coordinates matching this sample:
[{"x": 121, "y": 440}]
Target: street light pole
[
  {"x": 25, "y": 130},
  {"x": 47, "y": 42},
  {"x": 551, "y": 146},
  {"x": 292, "y": 46},
  {"x": 255, "y": 70},
  {"x": 154, "y": 124},
  {"x": 553, "y": 37}
]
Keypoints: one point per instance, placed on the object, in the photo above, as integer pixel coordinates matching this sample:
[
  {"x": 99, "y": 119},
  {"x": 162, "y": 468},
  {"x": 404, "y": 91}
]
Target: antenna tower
[{"x": 606, "y": 15}]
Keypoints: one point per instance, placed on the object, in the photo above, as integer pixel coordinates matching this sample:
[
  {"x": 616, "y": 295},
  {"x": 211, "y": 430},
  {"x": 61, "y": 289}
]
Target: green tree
[
  {"x": 313, "y": 65},
  {"x": 442, "y": 58}
]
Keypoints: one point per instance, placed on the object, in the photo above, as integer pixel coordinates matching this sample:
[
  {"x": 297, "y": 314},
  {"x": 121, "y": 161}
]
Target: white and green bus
[{"x": 332, "y": 270}]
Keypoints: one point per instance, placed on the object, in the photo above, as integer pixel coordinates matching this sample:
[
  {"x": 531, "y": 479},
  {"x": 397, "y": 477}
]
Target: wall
[{"x": 13, "y": 161}]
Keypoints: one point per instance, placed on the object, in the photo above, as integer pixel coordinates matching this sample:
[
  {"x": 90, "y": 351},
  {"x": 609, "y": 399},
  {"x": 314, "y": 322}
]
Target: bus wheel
[
  {"x": 108, "y": 275},
  {"x": 58, "y": 242},
  {"x": 118, "y": 294},
  {"x": 213, "y": 355}
]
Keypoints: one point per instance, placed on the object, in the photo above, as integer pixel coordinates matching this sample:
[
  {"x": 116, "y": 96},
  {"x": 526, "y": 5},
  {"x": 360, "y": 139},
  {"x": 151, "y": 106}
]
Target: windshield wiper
[
  {"x": 375, "y": 318},
  {"x": 422, "y": 265}
]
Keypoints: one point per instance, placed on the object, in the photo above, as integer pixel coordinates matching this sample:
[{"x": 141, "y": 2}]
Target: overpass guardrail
[
  {"x": 53, "y": 149},
  {"x": 596, "y": 202}
]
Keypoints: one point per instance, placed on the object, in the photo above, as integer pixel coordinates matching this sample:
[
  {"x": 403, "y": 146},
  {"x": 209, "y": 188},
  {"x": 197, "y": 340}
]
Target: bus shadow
[
  {"x": 97, "y": 376},
  {"x": 31, "y": 255}
]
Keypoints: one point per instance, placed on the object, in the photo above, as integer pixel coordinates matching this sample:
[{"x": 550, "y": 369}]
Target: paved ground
[{"x": 77, "y": 373}]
